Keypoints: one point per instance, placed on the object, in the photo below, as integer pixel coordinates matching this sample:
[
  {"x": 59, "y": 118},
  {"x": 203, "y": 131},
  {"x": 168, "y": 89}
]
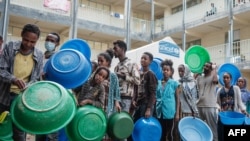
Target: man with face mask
[{"x": 51, "y": 42}]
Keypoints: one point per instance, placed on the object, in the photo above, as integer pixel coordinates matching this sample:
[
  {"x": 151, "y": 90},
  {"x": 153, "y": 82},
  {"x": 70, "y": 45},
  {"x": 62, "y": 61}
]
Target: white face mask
[{"x": 50, "y": 46}]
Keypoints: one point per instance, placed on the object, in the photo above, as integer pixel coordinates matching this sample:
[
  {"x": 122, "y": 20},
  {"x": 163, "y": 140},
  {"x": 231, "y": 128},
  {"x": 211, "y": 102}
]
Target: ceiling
[
  {"x": 197, "y": 32},
  {"x": 142, "y": 5},
  {"x": 193, "y": 33}
]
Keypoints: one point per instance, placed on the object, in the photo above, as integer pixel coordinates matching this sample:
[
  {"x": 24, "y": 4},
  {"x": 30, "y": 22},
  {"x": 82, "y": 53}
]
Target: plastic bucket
[
  {"x": 6, "y": 129},
  {"x": 232, "y": 118},
  {"x": 155, "y": 67},
  {"x": 69, "y": 68},
  {"x": 79, "y": 45},
  {"x": 230, "y": 68},
  {"x": 147, "y": 129},
  {"x": 120, "y": 125},
  {"x": 195, "y": 57},
  {"x": 247, "y": 120},
  {"x": 194, "y": 129},
  {"x": 44, "y": 107},
  {"x": 89, "y": 124}
]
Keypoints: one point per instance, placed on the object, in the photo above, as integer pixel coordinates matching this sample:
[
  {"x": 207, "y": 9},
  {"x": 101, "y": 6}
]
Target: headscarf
[
  {"x": 245, "y": 94},
  {"x": 245, "y": 84},
  {"x": 189, "y": 88},
  {"x": 187, "y": 77}
]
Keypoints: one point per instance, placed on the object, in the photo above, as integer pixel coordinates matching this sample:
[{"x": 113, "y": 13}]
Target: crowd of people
[{"x": 128, "y": 87}]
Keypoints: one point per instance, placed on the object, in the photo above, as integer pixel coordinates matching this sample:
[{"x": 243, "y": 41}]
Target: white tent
[{"x": 163, "y": 49}]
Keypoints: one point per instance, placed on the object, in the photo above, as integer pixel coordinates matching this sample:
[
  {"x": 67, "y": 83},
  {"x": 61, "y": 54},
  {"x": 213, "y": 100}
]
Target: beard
[{"x": 206, "y": 71}]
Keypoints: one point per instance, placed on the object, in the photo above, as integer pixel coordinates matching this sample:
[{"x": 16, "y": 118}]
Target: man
[
  {"x": 51, "y": 42},
  {"x": 21, "y": 64},
  {"x": 207, "y": 106},
  {"x": 128, "y": 74}
]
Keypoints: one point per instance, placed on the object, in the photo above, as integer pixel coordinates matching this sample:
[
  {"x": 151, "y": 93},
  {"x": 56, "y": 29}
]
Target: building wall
[
  {"x": 245, "y": 32},
  {"x": 213, "y": 38}
]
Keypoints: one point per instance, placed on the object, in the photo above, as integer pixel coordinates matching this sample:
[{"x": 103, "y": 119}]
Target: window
[
  {"x": 236, "y": 42},
  {"x": 96, "y": 5},
  {"x": 189, "y": 4}
]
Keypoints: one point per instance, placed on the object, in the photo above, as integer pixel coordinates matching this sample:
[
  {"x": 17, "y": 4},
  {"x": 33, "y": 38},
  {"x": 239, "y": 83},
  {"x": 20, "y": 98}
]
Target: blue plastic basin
[
  {"x": 147, "y": 130},
  {"x": 232, "y": 118},
  {"x": 194, "y": 129}
]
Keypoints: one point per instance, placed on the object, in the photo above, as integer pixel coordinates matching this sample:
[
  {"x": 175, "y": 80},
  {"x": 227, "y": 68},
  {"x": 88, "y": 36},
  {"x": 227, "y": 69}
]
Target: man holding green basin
[
  {"x": 21, "y": 64},
  {"x": 206, "y": 104}
]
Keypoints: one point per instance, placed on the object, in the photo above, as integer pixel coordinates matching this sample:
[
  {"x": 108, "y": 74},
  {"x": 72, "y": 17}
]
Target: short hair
[
  {"x": 168, "y": 62},
  {"x": 121, "y": 44},
  {"x": 1, "y": 37},
  {"x": 108, "y": 55},
  {"x": 150, "y": 55},
  {"x": 57, "y": 35},
  {"x": 31, "y": 28}
]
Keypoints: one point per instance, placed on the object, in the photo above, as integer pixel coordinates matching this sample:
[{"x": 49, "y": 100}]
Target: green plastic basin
[
  {"x": 89, "y": 124},
  {"x": 120, "y": 125},
  {"x": 6, "y": 129},
  {"x": 195, "y": 57},
  {"x": 44, "y": 107}
]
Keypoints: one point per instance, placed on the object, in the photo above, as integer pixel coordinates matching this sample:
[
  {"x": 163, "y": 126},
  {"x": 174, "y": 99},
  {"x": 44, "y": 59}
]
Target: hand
[
  {"x": 20, "y": 83},
  {"x": 43, "y": 76},
  {"x": 84, "y": 102},
  {"x": 177, "y": 117},
  {"x": 134, "y": 104},
  {"x": 121, "y": 75},
  {"x": 214, "y": 66},
  {"x": 244, "y": 112},
  {"x": 117, "y": 106},
  {"x": 148, "y": 113}
]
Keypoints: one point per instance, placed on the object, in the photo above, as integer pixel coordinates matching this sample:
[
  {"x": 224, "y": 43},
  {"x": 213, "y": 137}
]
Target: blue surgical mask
[{"x": 50, "y": 46}]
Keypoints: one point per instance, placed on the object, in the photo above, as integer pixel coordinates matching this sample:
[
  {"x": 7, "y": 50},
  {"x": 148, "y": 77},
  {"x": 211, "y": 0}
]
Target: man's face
[
  {"x": 29, "y": 40},
  {"x": 207, "y": 68},
  {"x": 117, "y": 50},
  {"x": 52, "y": 38}
]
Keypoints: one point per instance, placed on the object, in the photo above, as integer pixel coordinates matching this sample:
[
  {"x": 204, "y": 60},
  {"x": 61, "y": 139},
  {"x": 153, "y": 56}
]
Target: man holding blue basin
[{"x": 52, "y": 41}]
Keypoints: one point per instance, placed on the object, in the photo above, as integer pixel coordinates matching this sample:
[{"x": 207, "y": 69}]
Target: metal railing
[
  {"x": 138, "y": 25},
  {"x": 175, "y": 20},
  {"x": 92, "y": 14},
  {"x": 239, "y": 54}
]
